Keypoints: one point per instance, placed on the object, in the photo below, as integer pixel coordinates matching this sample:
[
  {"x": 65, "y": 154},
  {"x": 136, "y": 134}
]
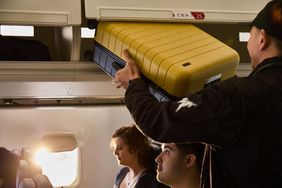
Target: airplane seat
[
  {"x": 29, "y": 175},
  {"x": 37, "y": 181},
  {"x": 23, "y": 172},
  {"x": 42, "y": 181},
  {"x": 27, "y": 183}
]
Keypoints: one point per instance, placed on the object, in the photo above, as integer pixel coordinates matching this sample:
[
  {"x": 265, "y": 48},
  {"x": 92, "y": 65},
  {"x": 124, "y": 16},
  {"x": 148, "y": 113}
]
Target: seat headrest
[
  {"x": 27, "y": 183},
  {"x": 42, "y": 181},
  {"x": 30, "y": 176}
]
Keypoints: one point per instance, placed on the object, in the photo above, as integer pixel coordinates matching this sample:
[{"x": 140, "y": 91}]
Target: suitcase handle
[{"x": 117, "y": 65}]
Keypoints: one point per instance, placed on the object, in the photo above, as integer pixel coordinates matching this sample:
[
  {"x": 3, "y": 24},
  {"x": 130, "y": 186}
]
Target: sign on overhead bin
[{"x": 179, "y": 10}]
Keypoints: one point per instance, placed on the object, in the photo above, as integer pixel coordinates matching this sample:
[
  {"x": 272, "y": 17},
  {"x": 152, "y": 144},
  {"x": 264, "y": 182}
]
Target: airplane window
[
  {"x": 58, "y": 156},
  {"x": 60, "y": 167},
  {"x": 14, "y": 30},
  {"x": 244, "y": 36},
  {"x": 87, "y": 33}
]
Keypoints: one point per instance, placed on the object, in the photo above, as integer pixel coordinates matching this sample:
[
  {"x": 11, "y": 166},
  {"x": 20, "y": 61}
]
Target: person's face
[
  {"x": 171, "y": 164},
  {"x": 253, "y": 46},
  {"x": 122, "y": 153}
]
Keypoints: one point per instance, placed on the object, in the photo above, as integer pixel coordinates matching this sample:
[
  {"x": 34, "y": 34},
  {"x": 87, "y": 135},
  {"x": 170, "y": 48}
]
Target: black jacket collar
[{"x": 267, "y": 63}]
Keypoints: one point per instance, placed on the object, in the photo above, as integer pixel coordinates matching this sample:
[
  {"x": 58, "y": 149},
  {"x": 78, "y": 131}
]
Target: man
[
  {"x": 179, "y": 165},
  {"x": 8, "y": 168},
  {"x": 239, "y": 118}
]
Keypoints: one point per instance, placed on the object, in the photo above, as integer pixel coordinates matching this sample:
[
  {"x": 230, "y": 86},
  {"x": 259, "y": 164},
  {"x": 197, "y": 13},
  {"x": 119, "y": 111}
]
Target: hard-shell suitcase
[{"x": 175, "y": 58}]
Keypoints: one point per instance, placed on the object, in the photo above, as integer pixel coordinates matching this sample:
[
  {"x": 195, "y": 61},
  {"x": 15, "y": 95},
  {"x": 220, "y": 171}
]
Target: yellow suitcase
[{"x": 175, "y": 58}]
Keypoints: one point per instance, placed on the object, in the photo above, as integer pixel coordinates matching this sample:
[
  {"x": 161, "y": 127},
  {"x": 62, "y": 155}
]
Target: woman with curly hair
[{"x": 132, "y": 150}]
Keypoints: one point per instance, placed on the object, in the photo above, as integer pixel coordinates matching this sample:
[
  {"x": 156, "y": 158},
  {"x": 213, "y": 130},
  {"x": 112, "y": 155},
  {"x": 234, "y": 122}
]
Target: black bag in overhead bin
[{"x": 18, "y": 49}]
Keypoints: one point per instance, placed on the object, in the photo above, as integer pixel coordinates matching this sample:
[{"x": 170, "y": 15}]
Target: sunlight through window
[
  {"x": 87, "y": 33},
  {"x": 244, "y": 36},
  {"x": 60, "y": 167},
  {"x": 15, "y": 30}
]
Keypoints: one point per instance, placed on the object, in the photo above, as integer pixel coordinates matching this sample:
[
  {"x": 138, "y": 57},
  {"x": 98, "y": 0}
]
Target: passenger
[
  {"x": 8, "y": 168},
  {"x": 240, "y": 117},
  {"x": 132, "y": 150},
  {"x": 179, "y": 165}
]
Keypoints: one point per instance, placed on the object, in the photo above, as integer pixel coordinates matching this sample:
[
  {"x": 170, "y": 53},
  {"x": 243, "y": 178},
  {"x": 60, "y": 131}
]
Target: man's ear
[
  {"x": 264, "y": 39},
  {"x": 190, "y": 160}
]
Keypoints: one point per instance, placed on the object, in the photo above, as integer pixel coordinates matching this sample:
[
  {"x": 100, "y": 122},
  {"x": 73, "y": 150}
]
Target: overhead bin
[
  {"x": 173, "y": 11},
  {"x": 40, "y": 12},
  {"x": 56, "y": 25}
]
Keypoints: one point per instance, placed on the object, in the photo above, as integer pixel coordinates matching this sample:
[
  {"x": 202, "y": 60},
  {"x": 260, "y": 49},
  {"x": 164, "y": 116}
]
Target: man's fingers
[
  {"x": 126, "y": 56},
  {"x": 119, "y": 83},
  {"x": 128, "y": 72}
]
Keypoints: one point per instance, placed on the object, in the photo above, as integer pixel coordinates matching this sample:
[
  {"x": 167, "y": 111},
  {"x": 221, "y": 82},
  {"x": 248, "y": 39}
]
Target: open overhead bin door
[{"x": 179, "y": 10}]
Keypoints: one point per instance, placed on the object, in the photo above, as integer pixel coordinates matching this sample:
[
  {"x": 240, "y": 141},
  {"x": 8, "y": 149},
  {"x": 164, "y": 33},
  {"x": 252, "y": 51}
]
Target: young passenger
[
  {"x": 132, "y": 150},
  {"x": 240, "y": 118},
  {"x": 179, "y": 165}
]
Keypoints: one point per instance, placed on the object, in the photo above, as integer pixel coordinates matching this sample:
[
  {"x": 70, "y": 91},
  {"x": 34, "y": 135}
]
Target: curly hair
[{"x": 136, "y": 142}]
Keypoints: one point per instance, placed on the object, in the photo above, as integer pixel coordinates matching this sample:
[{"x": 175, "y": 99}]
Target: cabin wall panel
[{"x": 92, "y": 126}]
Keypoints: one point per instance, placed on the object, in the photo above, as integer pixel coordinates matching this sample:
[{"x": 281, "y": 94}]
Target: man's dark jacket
[{"x": 240, "y": 118}]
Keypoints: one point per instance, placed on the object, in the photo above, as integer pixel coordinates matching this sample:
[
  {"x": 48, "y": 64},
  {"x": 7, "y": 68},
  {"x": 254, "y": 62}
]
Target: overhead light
[{"x": 244, "y": 36}]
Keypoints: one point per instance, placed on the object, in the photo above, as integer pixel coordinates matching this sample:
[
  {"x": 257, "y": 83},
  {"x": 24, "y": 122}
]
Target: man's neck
[{"x": 189, "y": 181}]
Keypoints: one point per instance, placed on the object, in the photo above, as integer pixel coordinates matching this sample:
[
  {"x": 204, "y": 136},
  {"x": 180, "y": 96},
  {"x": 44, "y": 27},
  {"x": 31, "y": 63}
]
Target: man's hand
[{"x": 129, "y": 72}]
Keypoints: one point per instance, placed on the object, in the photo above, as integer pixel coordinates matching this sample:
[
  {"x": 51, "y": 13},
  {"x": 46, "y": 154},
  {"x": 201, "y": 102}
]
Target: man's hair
[
  {"x": 8, "y": 168},
  {"x": 137, "y": 143},
  {"x": 270, "y": 19},
  {"x": 278, "y": 43},
  {"x": 193, "y": 148}
]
